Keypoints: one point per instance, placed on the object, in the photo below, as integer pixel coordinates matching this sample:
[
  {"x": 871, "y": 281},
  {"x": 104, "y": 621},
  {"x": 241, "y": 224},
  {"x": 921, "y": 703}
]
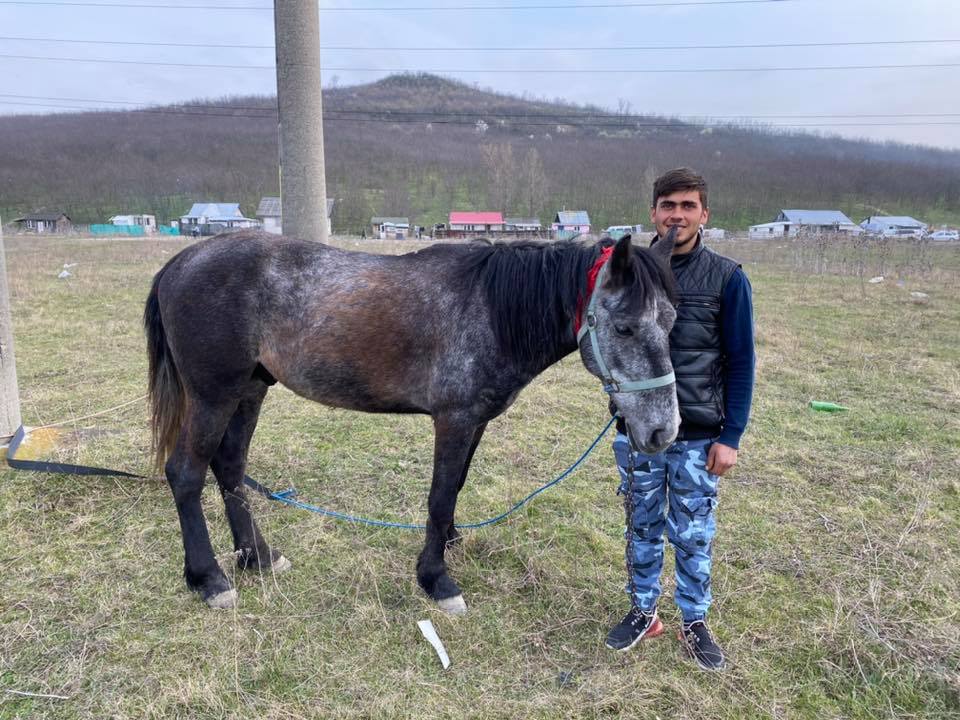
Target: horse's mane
[{"x": 533, "y": 288}]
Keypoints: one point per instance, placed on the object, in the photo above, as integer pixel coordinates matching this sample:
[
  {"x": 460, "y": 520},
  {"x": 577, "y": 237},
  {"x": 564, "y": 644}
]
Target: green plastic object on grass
[{"x": 827, "y": 406}]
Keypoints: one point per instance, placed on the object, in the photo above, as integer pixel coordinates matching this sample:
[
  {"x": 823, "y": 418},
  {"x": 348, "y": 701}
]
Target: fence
[
  {"x": 117, "y": 230},
  {"x": 861, "y": 256}
]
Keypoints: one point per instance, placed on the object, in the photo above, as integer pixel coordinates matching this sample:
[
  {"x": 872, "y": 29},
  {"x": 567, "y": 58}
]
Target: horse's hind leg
[
  {"x": 186, "y": 470},
  {"x": 229, "y": 465}
]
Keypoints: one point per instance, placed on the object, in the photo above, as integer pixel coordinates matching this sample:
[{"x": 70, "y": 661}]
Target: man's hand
[{"x": 721, "y": 458}]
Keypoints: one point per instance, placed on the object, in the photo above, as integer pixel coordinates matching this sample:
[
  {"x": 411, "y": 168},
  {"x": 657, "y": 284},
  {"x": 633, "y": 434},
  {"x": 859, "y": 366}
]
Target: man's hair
[{"x": 679, "y": 180}]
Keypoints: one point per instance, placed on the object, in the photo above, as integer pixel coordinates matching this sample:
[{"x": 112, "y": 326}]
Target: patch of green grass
[{"x": 836, "y": 562}]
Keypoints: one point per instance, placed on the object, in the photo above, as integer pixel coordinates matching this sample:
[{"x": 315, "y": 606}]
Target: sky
[{"x": 582, "y": 51}]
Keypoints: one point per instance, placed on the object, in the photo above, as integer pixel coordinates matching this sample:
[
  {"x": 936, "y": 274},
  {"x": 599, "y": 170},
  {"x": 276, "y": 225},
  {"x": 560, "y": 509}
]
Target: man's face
[{"x": 682, "y": 210}]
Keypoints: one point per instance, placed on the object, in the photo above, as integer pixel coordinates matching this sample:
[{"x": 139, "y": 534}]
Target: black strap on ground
[
  {"x": 54, "y": 467},
  {"x": 68, "y": 469}
]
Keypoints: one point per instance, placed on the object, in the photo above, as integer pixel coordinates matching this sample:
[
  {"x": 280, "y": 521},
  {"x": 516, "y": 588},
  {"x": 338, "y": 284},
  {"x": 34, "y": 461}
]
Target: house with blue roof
[
  {"x": 568, "y": 224},
  {"x": 209, "y": 218}
]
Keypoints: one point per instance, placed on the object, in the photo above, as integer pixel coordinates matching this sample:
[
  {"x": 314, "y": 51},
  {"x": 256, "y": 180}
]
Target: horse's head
[{"x": 627, "y": 324}]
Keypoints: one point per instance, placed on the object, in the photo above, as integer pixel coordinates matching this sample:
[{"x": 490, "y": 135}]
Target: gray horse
[{"x": 452, "y": 331}]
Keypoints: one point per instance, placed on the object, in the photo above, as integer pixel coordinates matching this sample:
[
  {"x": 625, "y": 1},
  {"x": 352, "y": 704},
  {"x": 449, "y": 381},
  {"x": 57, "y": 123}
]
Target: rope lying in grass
[
  {"x": 87, "y": 417},
  {"x": 286, "y": 496}
]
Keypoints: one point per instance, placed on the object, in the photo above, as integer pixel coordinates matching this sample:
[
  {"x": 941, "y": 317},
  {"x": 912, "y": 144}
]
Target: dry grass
[{"x": 836, "y": 561}]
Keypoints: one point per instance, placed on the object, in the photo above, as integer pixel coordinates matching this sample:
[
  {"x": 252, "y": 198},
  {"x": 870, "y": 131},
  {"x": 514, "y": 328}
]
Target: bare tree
[
  {"x": 647, "y": 180},
  {"x": 502, "y": 174},
  {"x": 533, "y": 188}
]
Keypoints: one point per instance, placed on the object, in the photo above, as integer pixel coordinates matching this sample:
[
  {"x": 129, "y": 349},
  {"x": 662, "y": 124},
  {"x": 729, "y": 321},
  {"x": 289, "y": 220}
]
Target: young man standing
[{"x": 711, "y": 346}]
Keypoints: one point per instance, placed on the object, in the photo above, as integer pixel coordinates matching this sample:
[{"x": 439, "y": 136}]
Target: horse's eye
[{"x": 623, "y": 330}]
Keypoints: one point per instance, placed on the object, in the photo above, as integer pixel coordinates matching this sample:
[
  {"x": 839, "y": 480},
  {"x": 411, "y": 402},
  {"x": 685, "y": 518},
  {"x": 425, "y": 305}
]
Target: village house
[
  {"x": 270, "y": 214},
  {"x": 569, "y": 223},
  {"x": 474, "y": 224},
  {"x": 44, "y": 222},
  {"x": 894, "y": 226},
  {"x": 523, "y": 226},
  {"x": 389, "y": 228},
  {"x": 212, "y": 218},
  {"x": 791, "y": 223},
  {"x": 147, "y": 222}
]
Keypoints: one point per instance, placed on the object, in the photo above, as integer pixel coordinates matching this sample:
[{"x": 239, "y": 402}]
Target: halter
[{"x": 595, "y": 278}]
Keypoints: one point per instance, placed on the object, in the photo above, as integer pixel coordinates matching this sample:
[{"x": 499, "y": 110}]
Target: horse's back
[{"x": 345, "y": 328}]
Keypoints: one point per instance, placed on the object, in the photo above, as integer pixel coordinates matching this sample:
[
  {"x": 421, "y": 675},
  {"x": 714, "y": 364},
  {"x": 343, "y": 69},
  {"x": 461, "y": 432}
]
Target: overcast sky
[{"x": 449, "y": 36}]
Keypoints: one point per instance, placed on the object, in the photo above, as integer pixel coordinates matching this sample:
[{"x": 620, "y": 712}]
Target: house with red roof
[{"x": 475, "y": 224}]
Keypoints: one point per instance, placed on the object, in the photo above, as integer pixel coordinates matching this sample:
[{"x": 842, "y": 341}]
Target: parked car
[
  {"x": 615, "y": 232},
  {"x": 945, "y": 235}
]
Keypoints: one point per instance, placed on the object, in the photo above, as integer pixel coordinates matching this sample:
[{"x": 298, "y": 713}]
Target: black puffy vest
[{"x": 695, "y": 341}]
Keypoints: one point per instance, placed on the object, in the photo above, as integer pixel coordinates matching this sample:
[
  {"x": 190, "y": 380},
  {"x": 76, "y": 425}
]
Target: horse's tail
[{"x": 167, "y": 400}]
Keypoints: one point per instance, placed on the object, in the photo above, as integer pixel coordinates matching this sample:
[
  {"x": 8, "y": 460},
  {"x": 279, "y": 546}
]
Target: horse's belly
[{"x": 341, "y": 386}]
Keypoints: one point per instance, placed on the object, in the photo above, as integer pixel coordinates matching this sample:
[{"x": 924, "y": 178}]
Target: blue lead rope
[{"x": 287, "y": 497}]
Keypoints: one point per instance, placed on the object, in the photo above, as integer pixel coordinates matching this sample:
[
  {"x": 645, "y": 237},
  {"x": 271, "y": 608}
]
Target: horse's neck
[{"x": 560, "y": 347}]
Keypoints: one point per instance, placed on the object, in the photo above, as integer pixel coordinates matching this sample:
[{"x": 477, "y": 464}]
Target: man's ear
[{"x": 663, "y": 248}]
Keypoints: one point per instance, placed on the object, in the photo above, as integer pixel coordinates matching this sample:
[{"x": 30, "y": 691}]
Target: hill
[{"x": 420, "y": 145}]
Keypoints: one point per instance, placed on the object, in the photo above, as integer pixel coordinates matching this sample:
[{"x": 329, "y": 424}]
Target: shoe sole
[
  {"x": 656, "y": 628},
  {"x": 693, "y": 656}
]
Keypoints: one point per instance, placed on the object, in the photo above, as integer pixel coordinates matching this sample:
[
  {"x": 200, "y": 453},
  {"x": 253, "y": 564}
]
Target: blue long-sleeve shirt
[{"x": 736, "y": 329}]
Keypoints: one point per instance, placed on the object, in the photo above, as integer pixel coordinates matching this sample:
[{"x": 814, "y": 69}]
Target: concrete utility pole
[
  {"x": 10, "y": 419},
  {"x": 303, "y": 186}
]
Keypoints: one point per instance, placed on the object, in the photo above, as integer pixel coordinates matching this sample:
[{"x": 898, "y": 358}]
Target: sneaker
[
  {"x": 701, "y": 646},
  {"x": 637, "y": 625}
]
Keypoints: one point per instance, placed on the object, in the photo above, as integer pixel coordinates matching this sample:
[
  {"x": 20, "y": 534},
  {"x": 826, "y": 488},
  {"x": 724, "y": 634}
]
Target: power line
[
  {"x": 270, "y": 106},
  {"x": 586, "y": 123},
  {"x": 409, "y": 8},
  {"x": 516, "y": 48},
  {"x": 142, "y": 44},
  {"x": 138, "y": 110},
  {"x": 619, "y": 48},
  {"x": 632, "y": 71},
  {"x": 564, "y": 6},
  {"x": 33, "y": 3},
  {"x": 585, "y": 116},
  {"x": 140, "y": 62},
  {"x": 579, "y": 71}
]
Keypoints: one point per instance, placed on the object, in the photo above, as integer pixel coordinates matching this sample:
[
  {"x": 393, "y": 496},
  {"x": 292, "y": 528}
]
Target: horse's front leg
[
  {"x": 453, "y": 445},
  {"x": 453, "y": 535}
]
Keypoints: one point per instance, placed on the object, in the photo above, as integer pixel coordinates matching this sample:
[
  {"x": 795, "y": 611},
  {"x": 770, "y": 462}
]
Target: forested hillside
[{"x": 420, "y": 146}]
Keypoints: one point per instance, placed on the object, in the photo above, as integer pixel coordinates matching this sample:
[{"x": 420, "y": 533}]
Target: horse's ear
[
  {"x": 621, "y": 263},
  {"x": 663, "y": 248}
]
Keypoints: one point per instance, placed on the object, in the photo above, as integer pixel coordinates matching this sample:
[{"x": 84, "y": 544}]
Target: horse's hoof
[
  {"x": 280, "y": 564},
  {"x": 455, "y": 605},
  {"x": 225, "y": 600}
]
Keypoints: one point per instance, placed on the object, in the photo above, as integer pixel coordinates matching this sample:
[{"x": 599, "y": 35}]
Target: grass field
[{"x": 836, "y": 562}]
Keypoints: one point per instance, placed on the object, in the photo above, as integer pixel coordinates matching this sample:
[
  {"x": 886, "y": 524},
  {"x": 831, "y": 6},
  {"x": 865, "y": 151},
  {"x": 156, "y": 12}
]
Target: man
[{"x": 711, "y": 346}]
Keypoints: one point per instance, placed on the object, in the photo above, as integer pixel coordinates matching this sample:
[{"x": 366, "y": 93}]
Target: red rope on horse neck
[{"x": 592, "y": 274}]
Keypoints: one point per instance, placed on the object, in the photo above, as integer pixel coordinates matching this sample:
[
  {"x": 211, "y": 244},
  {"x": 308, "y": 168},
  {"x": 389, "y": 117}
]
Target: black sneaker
[
  {"x": 637, "y": 625},
  {"x": 701, "y": 646}
]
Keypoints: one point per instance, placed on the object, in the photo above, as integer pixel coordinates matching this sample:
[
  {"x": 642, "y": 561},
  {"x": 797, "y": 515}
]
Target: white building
[
  {"x": 389, "y": 228},
  {"x": 270, "y": 214},
  {"x": 767, "y": 230},
  {"x": 791, "y": 223},
  {"x": 523, "y": 226},
  {"x": 894, "y": 226},
  {"x": 147, "y": 222},
  {"x": 211, "y": 218}
]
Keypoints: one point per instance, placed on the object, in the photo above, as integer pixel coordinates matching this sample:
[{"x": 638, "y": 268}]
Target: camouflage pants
[{"x": 676, "y": 478}]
